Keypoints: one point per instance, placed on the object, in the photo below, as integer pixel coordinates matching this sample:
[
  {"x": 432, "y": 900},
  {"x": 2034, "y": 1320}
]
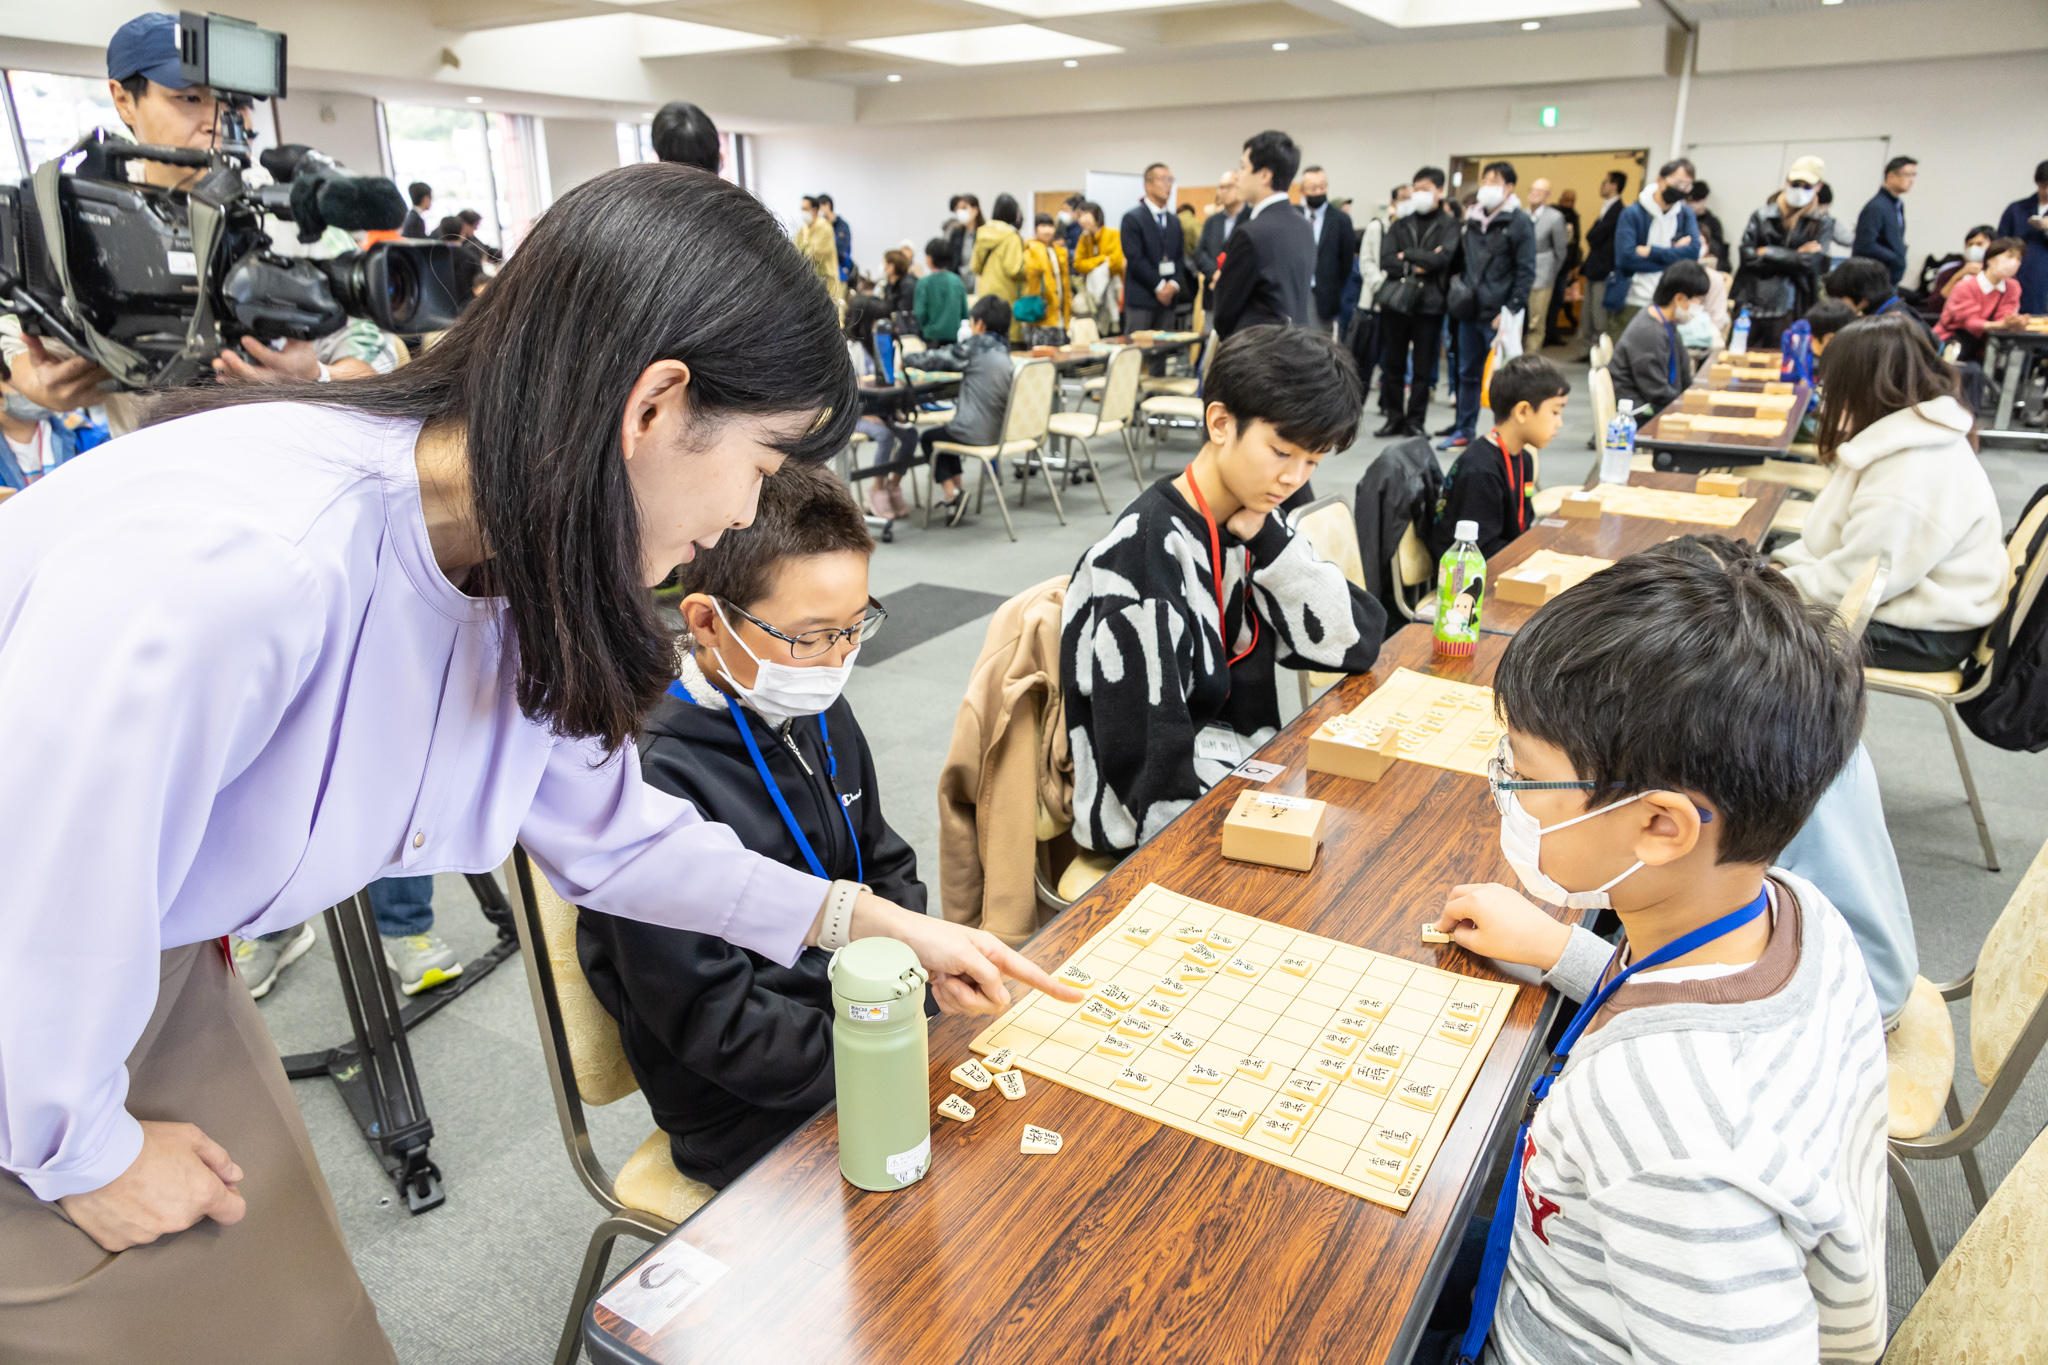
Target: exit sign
[{"x": 1546, "y": 118}]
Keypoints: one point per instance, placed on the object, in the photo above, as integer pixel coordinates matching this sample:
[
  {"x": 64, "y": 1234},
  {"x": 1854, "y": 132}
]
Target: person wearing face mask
[
  {"x": 1365, "y": 325},
  {"x": 1651, "y": 233},
  {"x": 1419, "y": 255},
  {"x": 1492, "y": 292},
  {"x": 1718, "y": 1102},
  {"x": 734, "y": 1050},
  {"x": 963, "y": 223},
  {"x": 1984, "y": 298},
  {"x": 1783, "y": 255},
  {"x": 1958, "y": 266},
  {"x": 813, "y": 238},
  {"x": 1651, "y": 364},
  {"x": 1336, "y": 239}
]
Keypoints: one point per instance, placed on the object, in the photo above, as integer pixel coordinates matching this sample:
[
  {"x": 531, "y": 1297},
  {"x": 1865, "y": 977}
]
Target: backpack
[{"x": 2012, "y": 710}]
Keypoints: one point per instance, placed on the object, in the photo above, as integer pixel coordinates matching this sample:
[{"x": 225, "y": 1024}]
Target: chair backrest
[
  {"x": 1603, "y": 352},
  {"x": 1411, "y": 568},
  {"x": 1084, "y": 332},
  {"x": 589, "y": 1035},
  {"x": 1979, "y": 1305},
  {"x": 2011, "y": 980},
  {"x": 1603, "y": 400},
  {"x": 1328, "y": 525},
  {"x": 1866, "y": 590},
  {"x": 1030, "y": 411},
  {"x": 1120, "y": 385}
]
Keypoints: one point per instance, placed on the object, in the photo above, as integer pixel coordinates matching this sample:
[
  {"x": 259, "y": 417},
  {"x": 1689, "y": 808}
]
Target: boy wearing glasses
[
  {"x": 732, "y": 1049},
  {"x": 1702, "y": 1177}
]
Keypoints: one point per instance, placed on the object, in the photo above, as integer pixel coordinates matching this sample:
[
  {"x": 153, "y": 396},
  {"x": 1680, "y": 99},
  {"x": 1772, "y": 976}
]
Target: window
[
  {"x": 636, "y": 144},
  {"x": 494, "y": 164},
  {"x": 52, "y": 112}
]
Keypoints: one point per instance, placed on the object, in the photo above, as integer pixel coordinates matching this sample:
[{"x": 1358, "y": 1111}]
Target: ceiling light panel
[
  {"x": 987, "y": 46},
  {"x": 1068, "y": 9},
  {"x": 1438, "y": 13}
]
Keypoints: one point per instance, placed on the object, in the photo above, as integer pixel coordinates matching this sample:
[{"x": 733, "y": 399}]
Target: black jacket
[
  {"x": 1881, "y": 233},
  {"x": 1600, "y": 241},
  {"x": 733, "y": 1050},
  {"x": 1216, "y": 230},
  {"x": 1266, "y": 268},
  {"x": 1479, "y": 488},
  {"x": 1335, "y": 251},
  {"x": 1776, "y": 279},
  {"x": 1146, "y": 245},
  {"x": 1430, "y": 243},
  {"x": 1500, "y": 263},
  {"x": 1398, "y": 490}
]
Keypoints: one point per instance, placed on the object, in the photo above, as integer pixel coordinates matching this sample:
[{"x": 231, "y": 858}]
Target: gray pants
[{"x": 1592, "y": 319}]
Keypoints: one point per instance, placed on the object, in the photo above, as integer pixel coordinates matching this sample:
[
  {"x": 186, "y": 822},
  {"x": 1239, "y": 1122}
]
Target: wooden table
[
  {"x": 2024, "y": 339},
  {"x": 1697, "y": 451},
  {"x": 1613, "y": 536},
  {"x": 1122, "y": 1248}
]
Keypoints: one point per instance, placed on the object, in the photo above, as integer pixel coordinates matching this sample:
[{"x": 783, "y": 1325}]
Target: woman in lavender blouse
[{"x": 301, "y": 638}]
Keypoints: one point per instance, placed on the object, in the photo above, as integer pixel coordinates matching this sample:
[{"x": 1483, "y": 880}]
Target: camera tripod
[{"x": 374, "y": 1070}]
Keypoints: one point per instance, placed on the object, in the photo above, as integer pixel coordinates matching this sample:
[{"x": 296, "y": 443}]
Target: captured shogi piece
[
  {"x": 1279, "y": 831},
  {"x": 1345, "y": 746},
  {"x": 1350, "y": 1073},
  {"x": 1580, "y": 505}
]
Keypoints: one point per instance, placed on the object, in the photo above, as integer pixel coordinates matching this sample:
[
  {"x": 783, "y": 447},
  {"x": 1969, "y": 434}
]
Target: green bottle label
[{"x": 1460, "y": 597}]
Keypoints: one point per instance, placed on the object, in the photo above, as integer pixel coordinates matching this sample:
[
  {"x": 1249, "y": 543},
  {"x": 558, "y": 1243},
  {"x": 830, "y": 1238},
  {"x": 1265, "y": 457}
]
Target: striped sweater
[{"x": 1706, "y": 1181}]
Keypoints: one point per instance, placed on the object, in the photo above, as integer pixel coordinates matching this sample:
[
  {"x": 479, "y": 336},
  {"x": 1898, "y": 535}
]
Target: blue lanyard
[
  {"x": 1671, "y": 334},
  {"x": 675, "y": 689},
  {"x": 1495, "y": 1265}
]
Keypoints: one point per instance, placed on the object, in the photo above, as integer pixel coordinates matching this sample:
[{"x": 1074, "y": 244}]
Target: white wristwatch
[{"x": 836, "y": 930}]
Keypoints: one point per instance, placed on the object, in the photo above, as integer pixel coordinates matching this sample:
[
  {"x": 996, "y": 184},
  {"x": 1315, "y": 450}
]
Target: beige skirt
[{"x": 279, "y": 1285}]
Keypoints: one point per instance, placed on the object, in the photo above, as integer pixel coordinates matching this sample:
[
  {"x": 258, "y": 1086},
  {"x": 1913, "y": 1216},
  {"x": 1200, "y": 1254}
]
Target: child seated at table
[
  {"x": 1704, "y": 1179},
  {"x": 983, "y": 363},
  {"x": 1991, "y": 295},
  {"x": 1651, "y": 365},
  {"x": 1167, "y": 669},
  {"x": 732, "y": 1049},
  {"x": 1494, "y": 479}
]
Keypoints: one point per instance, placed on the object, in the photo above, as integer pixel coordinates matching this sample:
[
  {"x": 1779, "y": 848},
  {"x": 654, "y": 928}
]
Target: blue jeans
[
  {"x": 403, "y": 905},
  {"x": 1475, "y": 342}
]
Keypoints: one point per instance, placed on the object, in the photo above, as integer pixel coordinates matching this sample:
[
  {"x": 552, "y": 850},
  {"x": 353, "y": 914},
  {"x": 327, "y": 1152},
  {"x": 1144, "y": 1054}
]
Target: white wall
[
  {"x": 894, "y": 183},
  {"x": 342, "y": 125},
  {"x": 579, "y": 149}
]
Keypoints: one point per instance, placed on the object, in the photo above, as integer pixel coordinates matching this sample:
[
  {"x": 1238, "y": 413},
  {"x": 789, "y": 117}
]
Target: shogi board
[
  {"x": 1281, "y": 1018},
  {"x": 1728, "y": 398},
  {"x": 1573, "y": 569},
  {"x": 1737, "y": 426},
  {"x": 1663, "y": 504},
  {"x": 1444, "y": 724}
]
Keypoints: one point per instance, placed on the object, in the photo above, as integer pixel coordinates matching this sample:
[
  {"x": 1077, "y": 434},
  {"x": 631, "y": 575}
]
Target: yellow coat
[
  {"x": 1049, "y": 275},
  {"x": 1103, "y": 244},
  {"x": 814, "y": 240},
  {"x": 999, "y": 261}
]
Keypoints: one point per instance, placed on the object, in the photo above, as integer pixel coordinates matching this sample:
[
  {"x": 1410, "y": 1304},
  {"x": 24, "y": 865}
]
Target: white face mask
[
  {"x": 1422, "y": 201},
  {"x": 1521, "y": 839},
  {"x": 1686, "y": 314},
  {"x": 1798, "y": 198},
  {"x": 1973, "y": 253},
  {"x": 784, "y": 691},
  {"x": 810, "y": 217},
  {"x": 1491, "y": 195},
  {"x": 965, "y": 215},
  {"x": 1404, "y": 208}
]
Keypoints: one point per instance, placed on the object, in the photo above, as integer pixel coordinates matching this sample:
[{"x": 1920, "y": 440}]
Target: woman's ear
[
  {"x": 1670, "y": 828},
  {"x": 659, "y": 404}
]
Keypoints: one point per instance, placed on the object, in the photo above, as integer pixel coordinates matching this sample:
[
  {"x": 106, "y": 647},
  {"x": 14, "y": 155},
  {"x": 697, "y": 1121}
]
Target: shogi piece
[
  {"x": 1674, "y": 424},
  {"x": 999, "y": 1061},
  {"x": 1695, "y": 400},
  {"x": 1039, "y": 1141},
  {"x": 1232, "y": 1118},
  {"x": 1580, "y": 506},
  {"x": 1777, "y": 386},
  {"x": 1718, "y": 485},
  {"x": 1278, "y": 831},
  {"x": 1344, "y": 748},
  {"x": 1011, "y": 1083},
  {"x": 972, "y": 1075},
  {"x": 955, "y": 1108},
  {"x": 1530, "y": 587}
]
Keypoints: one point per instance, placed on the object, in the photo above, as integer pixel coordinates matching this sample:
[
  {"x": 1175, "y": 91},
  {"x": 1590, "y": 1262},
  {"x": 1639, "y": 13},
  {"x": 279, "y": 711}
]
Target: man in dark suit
[
  {"x": 1216, "y": 231},
  {"x": 1336, "y": 240},
  {"x": 1881, "y": 227},
  {"x": 1269, "y": 261},
  {"x": 1158, "y": 282},
  {"x": 422, "y": 196}
]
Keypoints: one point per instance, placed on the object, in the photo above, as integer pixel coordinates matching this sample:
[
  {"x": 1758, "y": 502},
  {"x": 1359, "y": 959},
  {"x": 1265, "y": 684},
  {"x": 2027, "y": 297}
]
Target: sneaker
[
  {"x": 956, "y": 511},
  {"x": 897, "y": 503},
  {"x": 259, "y": 960},
  {"x": 421, "y": 960},
  {"x": 1451, "y": 430},
  {"x": 1453, "y": 443},
  {"x": 878, "y": 502}
]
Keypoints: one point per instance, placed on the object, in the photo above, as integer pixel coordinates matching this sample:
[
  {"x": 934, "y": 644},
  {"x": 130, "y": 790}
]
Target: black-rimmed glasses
[
  {"x": 811, "y": 643},
  {"x": 1502, "y": 781}
]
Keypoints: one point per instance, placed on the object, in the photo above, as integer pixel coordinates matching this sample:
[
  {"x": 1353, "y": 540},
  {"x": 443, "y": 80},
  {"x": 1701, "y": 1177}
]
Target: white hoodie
[{"x": 1910, "y": 484}]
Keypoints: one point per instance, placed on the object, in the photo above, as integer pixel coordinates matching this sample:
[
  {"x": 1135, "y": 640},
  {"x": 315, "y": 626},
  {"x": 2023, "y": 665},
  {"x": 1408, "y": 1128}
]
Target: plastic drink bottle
[
  {"x": 1738, "y": 338},
  {"x": 1618, "y": 447},
  {"x": 880, "y": 1061},
  {"x": 1460, "y": 592},
  {"x": 1796, "y": 353}
]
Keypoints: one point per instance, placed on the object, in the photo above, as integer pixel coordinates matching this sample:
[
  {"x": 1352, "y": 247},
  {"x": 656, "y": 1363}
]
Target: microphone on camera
[{"x": 323, "y": 195}]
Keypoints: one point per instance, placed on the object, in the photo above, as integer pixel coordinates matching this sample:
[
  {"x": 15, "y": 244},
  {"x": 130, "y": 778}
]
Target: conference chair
[
  {"x": 2008, "y": 1025},
  {"x": 587, "y": 1065},
  {"x": 1866, "y": 590},
  {"x": 1026, "y": 423},
  {"x": 1180, "y": 386},
  {"x": 1986, "y": 1302},
  {"x": 1331, "y": 531},
  {"x": 1603, "y": 352},
  {"x": 1602, "y": 384},
  {"x": 1084, "y": 332},
  {"x": 1119, "y": 404},
  {"x": 1947, "y": 691}
]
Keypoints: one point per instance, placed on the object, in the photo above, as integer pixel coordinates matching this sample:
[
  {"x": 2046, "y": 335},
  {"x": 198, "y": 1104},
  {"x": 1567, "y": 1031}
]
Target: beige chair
[
  {"x": 2008, "y": 994},
  {"x": 1603, "y": 352},
  {"x": 1412, "y": 569},
  {"x": 1866, "y": 590},
  {"x": 1946, "y": 691},
  {"x": 1084, "y": 332},
  {"x": 587, "y": 1065},
  {"x": 1026, "y": 423},
  {"x": 1119, "y": 404},
  {"x": 1602, "y": 385},
  {"x": 1987, "y": 1303},
  {"x": 1179, "y": 386},
  {"x": 1165, "y": 411},
  {"x": 401, "y": 353},
  {"x": 1328, "y": 524}
]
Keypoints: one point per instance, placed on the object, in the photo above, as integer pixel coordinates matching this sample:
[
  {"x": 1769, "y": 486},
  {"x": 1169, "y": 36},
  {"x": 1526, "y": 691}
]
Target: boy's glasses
[
  {"x": 1502, "y": 781},
  {"x": 812, "y": 643}
]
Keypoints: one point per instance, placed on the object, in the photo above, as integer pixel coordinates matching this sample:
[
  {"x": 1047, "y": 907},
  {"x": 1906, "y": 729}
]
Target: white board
[
  {"x": 1117, "y": 191},
  {"x": 1744, "y": 174}
]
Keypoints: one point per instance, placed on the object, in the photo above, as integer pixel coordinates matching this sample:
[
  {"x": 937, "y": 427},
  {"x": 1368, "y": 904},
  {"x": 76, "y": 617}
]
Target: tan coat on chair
[{"x": 1007, "y": 762}]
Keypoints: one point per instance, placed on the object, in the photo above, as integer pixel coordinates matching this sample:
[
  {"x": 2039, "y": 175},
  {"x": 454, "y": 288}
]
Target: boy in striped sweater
[{"x": 1703, "y": 1180}]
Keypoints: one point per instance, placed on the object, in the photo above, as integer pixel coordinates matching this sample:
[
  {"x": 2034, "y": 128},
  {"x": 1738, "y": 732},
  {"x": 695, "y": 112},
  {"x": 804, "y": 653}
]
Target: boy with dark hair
[
  {"x": 982, "y": 361},
  {"x": 941, "y": 299},
  {"x": 1267, "y": 265},
  {"x": 732, "y": 1049},
  {"x": 1166, "y": 660},
  {"x": 685, "y": 134},
  {"x": 1494, "y": 479},
  {"x": 1703, "y": 1179},
  {"x": 1651, "y": 366},
  {"x": 1866, "y": 286}
]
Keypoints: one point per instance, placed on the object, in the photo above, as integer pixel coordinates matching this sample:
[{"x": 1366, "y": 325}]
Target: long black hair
[{"x": 641, "y": 264}]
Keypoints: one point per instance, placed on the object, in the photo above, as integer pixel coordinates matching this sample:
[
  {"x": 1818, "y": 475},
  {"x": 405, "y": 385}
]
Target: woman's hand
[
  {"x": 179, "y": 1177},
  {"x": 967, "y": 966},
  {"x": 1498, "y": 922}
]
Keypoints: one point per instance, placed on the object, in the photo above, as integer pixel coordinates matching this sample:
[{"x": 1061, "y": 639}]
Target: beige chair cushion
[
  {"x": 650, "y": 1182},
  {"x": 2012, "y": 972},
  {"x": 1945, "y": 684},
  {"x": 1082, "y": 874},
  {"x": 1180, "y": 388},
  {"x": 1921, "y": 1053},
  {"x": 1987, "y": 1302},
  {"x": 1548, "y": 500},
  {"x": 1080, "y": 425},
  {"x": 1167, "y": 405},
  {"x": 602, "y": 1074},
  {"x": 987, "y": 452}
]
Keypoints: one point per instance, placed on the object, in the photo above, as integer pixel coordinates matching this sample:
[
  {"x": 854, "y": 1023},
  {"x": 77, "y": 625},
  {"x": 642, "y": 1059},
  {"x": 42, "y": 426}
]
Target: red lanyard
[
  {"x": 1518, "y": 489},
  {"x": 1216, "y": 564}
]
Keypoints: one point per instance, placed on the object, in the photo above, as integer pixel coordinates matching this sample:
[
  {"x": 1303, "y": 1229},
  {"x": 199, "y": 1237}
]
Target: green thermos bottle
[{"x": 881, "y": 1060}]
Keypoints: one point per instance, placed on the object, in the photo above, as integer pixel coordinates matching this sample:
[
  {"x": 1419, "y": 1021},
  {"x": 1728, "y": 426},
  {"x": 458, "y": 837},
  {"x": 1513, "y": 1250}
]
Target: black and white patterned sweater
[{"x": 1142, "y": 658}]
